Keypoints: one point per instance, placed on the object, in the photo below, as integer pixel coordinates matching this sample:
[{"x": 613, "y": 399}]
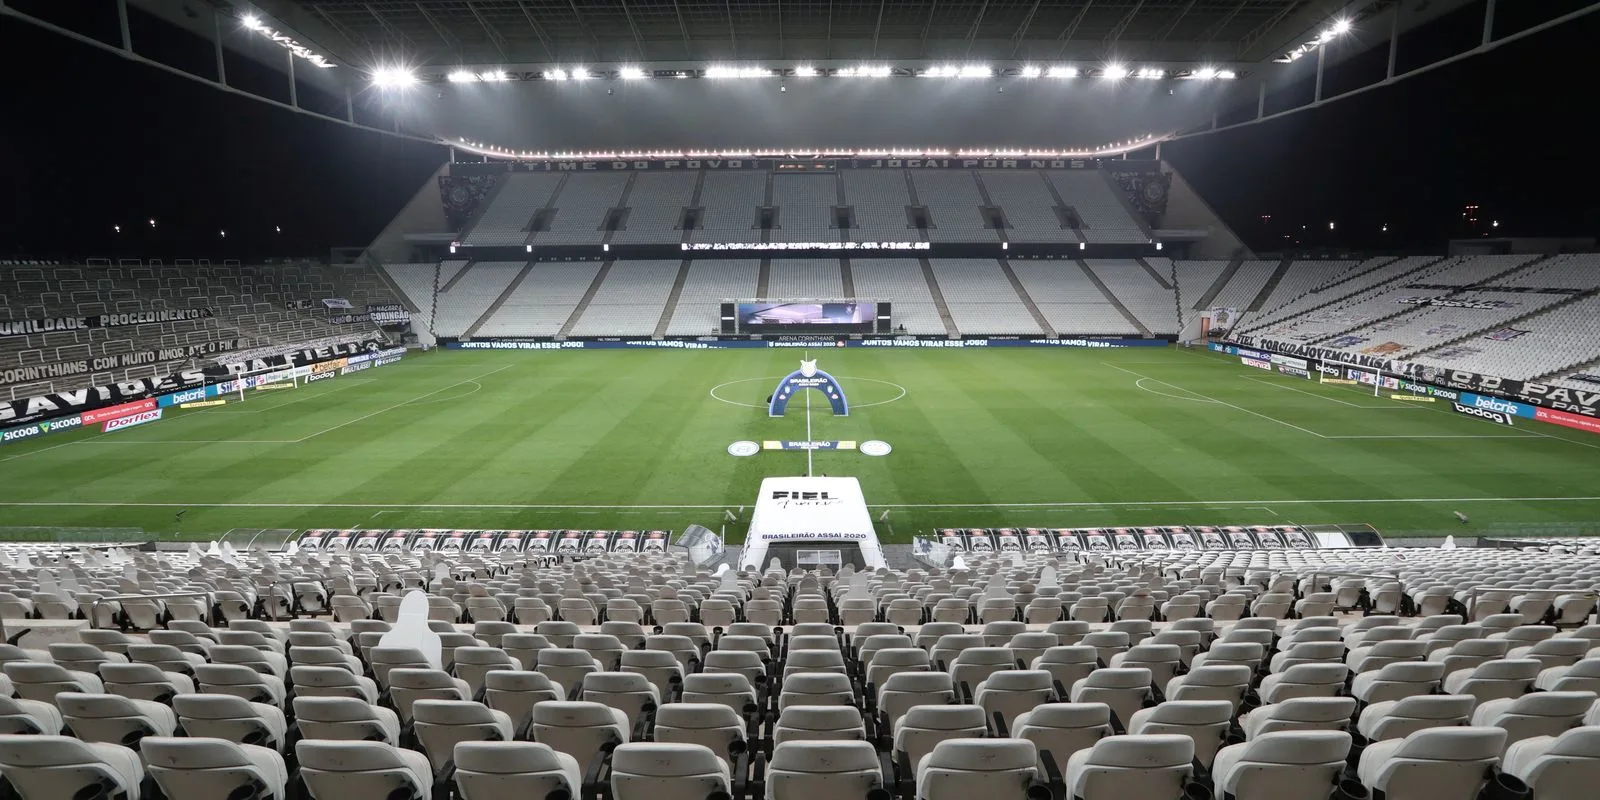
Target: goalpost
[{"x": 1362, "y": 375}]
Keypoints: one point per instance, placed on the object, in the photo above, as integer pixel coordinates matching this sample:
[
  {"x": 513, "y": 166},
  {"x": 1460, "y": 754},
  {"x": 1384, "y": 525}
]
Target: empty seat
[
  {"x": 1064, "y": 728},
  {"x": 222, "y": 716},
  {"x": 958, "y": 769},
  {"x": 667, "y": 771},
  {"x": 907, "y": 690},
  {"x": 497, "y": 770},
  {"x": 1125, "y": 690},
  {"x": 579, "y": 729},
  {"x": 61, "y": 766},
  {"x": 924, "y": 727},
  {"x": 33, "y": 717},
  {"x": 1121, "y": 767},
  {"x": 1204, "y": 721},
  {"x": 804, "y": 770},
  {"x": 1299, "y": 714},
  {"x": 819, "y": 723},
  {"x": 1535, "y": 714},
  {"x": 442, "y": 724},
  {"x": 341, "y": 770},
  {"x": 345, "y": 719},
  {"x": 1012, "y": 692},
  {"x": 1397, "y": 719},
  {"x": 1565, "y": 767},
  {"x": 1303, "y": 765},
  {"x": 1432, "y": 764},
  {"x": 1494, "y": 679},
  {"x": 114, "y": 719},
  {"x": 1394, "y": 681},
  {"x": 197, "y": 768},
  {"x": 1304, "y": 680},
  {"x": 711, "y": 725}
]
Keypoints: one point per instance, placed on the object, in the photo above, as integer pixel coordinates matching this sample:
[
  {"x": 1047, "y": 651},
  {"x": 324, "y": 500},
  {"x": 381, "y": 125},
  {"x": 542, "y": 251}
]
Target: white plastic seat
[
  {"x": 1012, "y": 692},
  {"x": 1432, "y": 764},
  {"x": 1299, "y": 714},
  {"x": 332, "y": 682},
  {"x": 194, "y": 768},
  {"x": 888, "y": 661},
  {"x": 1162, "y": 660},
  {"x": 1582, "y": 676},
  {"x": 34, "y": 717},
  {"x": 1068, "y": 664},
  {"x": 730, "y": 689},
  {"x": 1397, "y": 719},
  {"x": 816, "y": 689},
  {"x": 1124, "y": 690},
  {"x": 516, "y": 691},
  {"x": 579, "y": 729},
  {"x": 36, "y": 680},
  {"x": 442, "y": 724},
  {"x": 1299, "y": 765},
  {"x": 1121, "y": 767},
  {"x": 1494, "y": 679},
  {"x": 240, "y": 681},
  {"x": 806, "y": 770},
  {"x": 223, "y": 716},
  {"x": 906, "y": 690},
  {"x": 923, "y": 727},
  {"x": 407, "y": 686},
  {"x": 1534, "y": 714},
  {"x": 1064, "y": 728},
  {"x": 495, "y": 770},
  {"x": 711, "y": 725},
  {"x": 819, "y": 723},
  {"x": 62, "y": 767},
  {"x": 628, "y": 692},
  {"x": 346, "y": 719},
  {"x": 1554, "y": 652},
  {"x": 1397, "y": 680},
  {"x": 663, "y": 771},
  {"x": 959, "y": 769},
  {"x": 345, "y": 770},
  {"x": 114, "y": 719},
  {"x": 1565, "y": 767},
  {"x": 1304, "y": 680},
  {"x": 144, "y": 682},
  {"x": 660, "y": 668},
  {"x": 1204, "y": 721},
  {"x": 1220, "y": 682}
]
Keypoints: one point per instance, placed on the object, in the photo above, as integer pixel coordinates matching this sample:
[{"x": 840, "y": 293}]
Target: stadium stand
[
  {"x": 655, "y": 207},
  {"x": 1104, "y": 215},
  {"x": 467, "y": 297},
  {"x": 1257, "y": 674},
  {"x": 708, "y": 283},
  {"x": 580, "y": 209},
  {"x": 805, "y": 208},
  {"x": 955, "y": 207},
  {"x": 878, "y": 200},
  {"x": 630, "y": 301},
  {"x": 541, "y": 303},
  {"x": 980, "y": 299},
  {"x": 1030, "y": 212},
  {"x": 900, "y": 281},
  {"x": 508, "y": 217},
  {"x": 731, "y": 202},
  {"x": 223, "y": 307},
  {"x": 1153, "y": 304}
]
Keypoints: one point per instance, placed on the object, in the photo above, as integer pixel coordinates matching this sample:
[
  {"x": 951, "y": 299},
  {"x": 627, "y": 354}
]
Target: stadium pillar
[
  {"x": 294, "y": 94},
  {"x": 1261, "y": 99},
  {"x": 349, "y": 105},
  {"x": 1488, "y": 22},
  {"x": 1322, "y": 53},
  {"x": 122, "y": 23},
  {"x": 216, "y": 39},
  {"x": 1394, "y": 39}
]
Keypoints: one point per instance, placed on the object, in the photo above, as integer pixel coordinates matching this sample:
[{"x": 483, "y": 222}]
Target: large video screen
[{"x": 764, "y": 315}]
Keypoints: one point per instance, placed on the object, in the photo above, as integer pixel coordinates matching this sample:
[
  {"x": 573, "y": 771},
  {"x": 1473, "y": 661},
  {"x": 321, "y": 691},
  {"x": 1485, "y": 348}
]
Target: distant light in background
[
  {"x": 116, "y": 228},
  {"x": 1031, "y": 72},
  {"x": 1151, "y": 73},
  {"x": 738, "y": 72},
  {"x": 631, "y": 73},
  {"x": 277, "y": 229},
  {"x": 152, "y": 222},
  {"x": 805, "y": 72},
  {"x": 1330, "y": 225},
  {"x": 393, "y": 78},
  {"x": 223, "y": 234},
  {"x": 581, "y": 73},
  {"x": 555, "y": 75},
  {"x": 976, "y": 71},
  {"x": 1114, "y": 72},
  {"x": 1062, "y": 72}
]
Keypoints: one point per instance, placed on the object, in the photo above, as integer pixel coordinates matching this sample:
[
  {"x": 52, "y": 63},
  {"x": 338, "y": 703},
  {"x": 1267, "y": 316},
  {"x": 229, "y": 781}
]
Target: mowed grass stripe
[{"x": 638, "y": 428}]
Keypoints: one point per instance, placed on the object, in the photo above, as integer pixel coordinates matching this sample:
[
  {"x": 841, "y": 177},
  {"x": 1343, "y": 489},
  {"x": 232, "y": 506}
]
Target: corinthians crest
[{"x": 805, "y": 378}]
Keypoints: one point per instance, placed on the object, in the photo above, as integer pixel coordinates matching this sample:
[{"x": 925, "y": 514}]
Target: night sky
[{"x": 90, "y": 141}]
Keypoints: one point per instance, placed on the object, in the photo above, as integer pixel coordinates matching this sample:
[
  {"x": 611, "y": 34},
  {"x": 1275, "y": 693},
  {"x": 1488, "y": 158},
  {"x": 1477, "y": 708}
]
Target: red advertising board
[
  {"x": 114, "y": 412},
  {"x": 1564, "y": 419}
]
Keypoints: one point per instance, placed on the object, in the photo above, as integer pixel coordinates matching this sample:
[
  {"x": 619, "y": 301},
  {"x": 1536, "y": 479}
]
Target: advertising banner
[
  {"x": 1257, "y": 363},
  {"x": 1567, "y": 420},
  {"x": 26, "y": 327},
  {"x": 1495, "y": 405},
  {"x": 131, "y": 420},
  {"x": 739, "y": 344}
]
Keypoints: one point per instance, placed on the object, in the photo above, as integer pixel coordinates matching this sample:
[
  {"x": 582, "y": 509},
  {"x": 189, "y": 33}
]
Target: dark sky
[{"x": 90, "y": 140}]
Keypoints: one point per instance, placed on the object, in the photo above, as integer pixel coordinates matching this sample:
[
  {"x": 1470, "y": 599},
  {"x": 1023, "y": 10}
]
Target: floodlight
[
  {"x": 581, "y": 73},
  {"x": 494, "y": 76},
  {"x": 393, "y": 78},
  {"x": 738, "y": 72},
  {"x": 223, "y": 234},
  {"x": 251, "y": 21},
  {"x": 527, "y": 248},
  {"x": 1062, "y": 72},
  {"x": 1341, "y": 27},
  {"x": 631, "y": 73},
  {"x": 977, "y": 71},
  {"x": 555, "y": 75},
  {"x": 1081, "y": 246},
  {"x": 805, "y": 72},
  {"x": 1115, "y": 72},
  {"x": 1226, "y": 74},
  {"x": 117, "y": 228},
  {"x": 1151, "y": 73},
  {"x": 1158, "y": 245},
  {"x": 461, "y": 76},
  {"x": 1005, "y": 245},
  {"x": 152, "y": 222},
  {"x": 1031, "y": 72},
  {"x": 1205, "y": 73}
]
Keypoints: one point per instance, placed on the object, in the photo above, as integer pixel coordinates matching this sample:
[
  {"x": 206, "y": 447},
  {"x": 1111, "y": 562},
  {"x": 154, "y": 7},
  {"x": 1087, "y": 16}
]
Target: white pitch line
[
  {"x": 1070, "y": 504},
  {"x": 1215, "y": 400},
  {"x": 398, "y": 405},
  {"x": 1330, "y": 399}
]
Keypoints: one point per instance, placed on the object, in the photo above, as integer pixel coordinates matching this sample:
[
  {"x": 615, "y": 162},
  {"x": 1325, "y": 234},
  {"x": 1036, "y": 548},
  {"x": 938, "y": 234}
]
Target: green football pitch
[{"x": 639, "y": 439}]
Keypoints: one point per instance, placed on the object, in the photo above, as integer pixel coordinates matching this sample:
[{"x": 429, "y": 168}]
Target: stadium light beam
[{"x": 393, "y": 78}]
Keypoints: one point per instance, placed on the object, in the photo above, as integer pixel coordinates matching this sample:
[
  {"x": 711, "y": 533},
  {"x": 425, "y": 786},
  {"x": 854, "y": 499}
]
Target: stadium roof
[{"x": 513, "y": 33}]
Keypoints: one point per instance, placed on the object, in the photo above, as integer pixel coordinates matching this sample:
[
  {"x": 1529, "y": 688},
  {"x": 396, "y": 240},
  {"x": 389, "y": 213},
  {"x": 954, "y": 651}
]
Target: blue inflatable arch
[{"x": 808, "y": 377}]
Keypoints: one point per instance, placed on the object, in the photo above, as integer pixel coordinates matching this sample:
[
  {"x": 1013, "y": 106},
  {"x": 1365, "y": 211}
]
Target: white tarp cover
[{"x": 811, "y": 509}]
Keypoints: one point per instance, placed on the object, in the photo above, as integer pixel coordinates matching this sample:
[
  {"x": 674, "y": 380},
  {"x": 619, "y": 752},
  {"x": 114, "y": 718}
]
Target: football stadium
[{"x": 1090, "y": 400}]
